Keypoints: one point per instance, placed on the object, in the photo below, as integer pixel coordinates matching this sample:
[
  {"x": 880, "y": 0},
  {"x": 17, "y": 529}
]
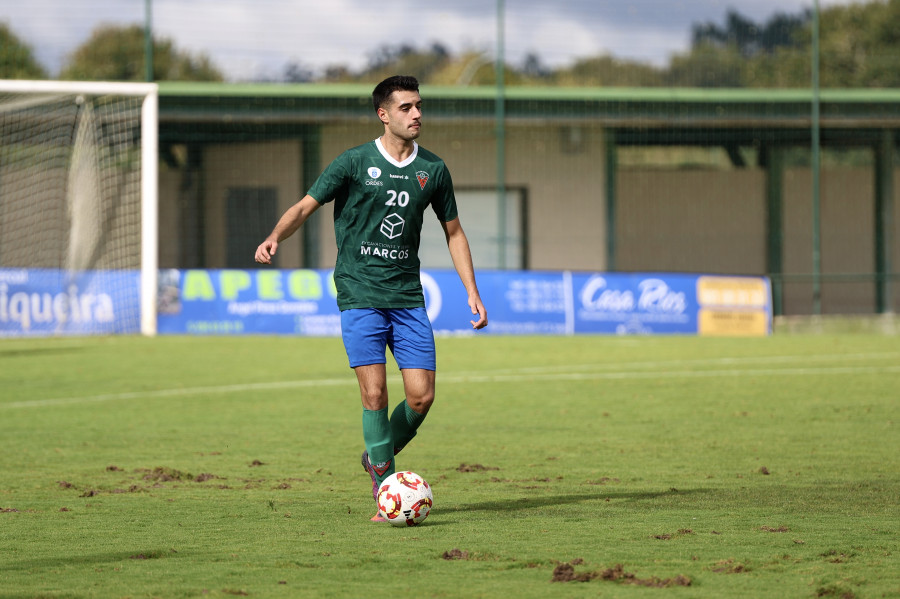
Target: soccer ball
[{"x": 404, "y": 499}]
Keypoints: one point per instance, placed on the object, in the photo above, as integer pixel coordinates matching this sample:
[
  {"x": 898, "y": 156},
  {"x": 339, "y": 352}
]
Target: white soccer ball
[{"x": 405, "y": 499}]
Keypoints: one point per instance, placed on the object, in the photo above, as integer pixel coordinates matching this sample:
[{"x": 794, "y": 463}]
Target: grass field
[{"x": 561, "y": 467}]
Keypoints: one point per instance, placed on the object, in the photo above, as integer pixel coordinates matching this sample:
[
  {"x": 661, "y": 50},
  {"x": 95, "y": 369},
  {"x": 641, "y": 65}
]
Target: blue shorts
[{"x": 406, "y": 331}]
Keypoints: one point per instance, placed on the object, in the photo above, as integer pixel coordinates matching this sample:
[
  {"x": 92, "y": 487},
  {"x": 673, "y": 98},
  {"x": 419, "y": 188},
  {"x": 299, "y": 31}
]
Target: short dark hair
[{"x": 382, "y": 91}]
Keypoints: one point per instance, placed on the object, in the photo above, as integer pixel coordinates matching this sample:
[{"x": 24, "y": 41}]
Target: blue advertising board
[
  {"x": 42, "y": 302},
  {"x": 302, "y": 302}
]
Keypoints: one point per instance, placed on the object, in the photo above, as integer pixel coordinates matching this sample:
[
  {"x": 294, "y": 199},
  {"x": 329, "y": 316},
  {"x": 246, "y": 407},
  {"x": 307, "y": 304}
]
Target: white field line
[
  {"x": 536, "y": 374},
  {"x": 710, "y": 362}
]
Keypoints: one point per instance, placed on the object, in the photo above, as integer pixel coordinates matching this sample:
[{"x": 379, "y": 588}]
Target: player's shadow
[{"x": 539, "y": 502}]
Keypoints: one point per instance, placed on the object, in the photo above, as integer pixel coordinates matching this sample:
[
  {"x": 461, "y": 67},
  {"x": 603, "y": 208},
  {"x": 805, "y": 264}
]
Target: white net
[
  {"x": 70, "y": 210},
  {"x": 69, "y": 181}
]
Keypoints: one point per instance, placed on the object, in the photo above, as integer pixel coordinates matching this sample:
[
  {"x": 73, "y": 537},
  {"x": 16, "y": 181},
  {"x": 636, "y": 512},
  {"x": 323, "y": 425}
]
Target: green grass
[{"x": 218, "y": 467}]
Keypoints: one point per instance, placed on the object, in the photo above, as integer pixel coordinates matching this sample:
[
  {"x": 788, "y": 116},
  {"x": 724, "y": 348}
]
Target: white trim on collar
[{"x": 390, "y": 159}]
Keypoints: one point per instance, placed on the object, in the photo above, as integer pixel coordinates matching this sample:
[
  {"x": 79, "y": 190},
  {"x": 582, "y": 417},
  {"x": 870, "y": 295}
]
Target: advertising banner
[
  {"x": 42, "y": 302},
  {"x": 36, "y": 302},
  {"x": 302, "y": 302}
]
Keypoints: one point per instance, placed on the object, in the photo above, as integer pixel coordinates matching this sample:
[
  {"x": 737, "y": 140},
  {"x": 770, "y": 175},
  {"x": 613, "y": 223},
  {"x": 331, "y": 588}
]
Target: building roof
[{"x": 639, "y": 115}]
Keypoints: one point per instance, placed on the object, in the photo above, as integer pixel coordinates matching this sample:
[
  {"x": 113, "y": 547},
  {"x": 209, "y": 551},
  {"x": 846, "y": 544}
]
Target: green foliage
[
  {"x": 189, "y": 467},
  {"x": 860, "y": 45},
  {"x": 16, "y": 59},
  {"x": 751, "y": 38},
  {"x": 608, "y": 71},
  {"x": 708, "y": 66},
  {"x": 117, "y": 54}
]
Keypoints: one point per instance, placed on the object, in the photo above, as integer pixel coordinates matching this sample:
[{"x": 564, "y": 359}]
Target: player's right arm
[{"x": 287, "y": 225}]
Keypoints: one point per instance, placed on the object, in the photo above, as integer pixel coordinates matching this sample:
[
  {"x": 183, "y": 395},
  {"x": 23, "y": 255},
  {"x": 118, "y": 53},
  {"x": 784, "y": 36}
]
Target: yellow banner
[{"x": 733, "y": 306}]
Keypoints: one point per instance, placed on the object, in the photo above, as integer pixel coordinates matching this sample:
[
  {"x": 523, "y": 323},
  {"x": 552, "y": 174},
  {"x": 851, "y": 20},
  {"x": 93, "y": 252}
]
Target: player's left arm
[{"x": 458, "y": 244}]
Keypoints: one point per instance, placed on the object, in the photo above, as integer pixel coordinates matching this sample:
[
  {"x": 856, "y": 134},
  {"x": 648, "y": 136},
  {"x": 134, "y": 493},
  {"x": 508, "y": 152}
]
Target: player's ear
[{"x": 383, "y": 115}]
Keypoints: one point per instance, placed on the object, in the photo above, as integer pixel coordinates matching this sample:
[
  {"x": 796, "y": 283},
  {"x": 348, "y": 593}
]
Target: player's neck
[{"x": 398, "y": 149}]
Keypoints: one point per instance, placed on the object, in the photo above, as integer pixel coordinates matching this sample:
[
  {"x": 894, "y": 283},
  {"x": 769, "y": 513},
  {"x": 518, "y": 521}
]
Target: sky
[{"x": 251, "y": 40}]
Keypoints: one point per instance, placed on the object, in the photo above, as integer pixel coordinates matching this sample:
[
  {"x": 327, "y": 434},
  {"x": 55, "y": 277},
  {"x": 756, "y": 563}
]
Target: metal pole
[
  {"x": 816, "y": 169},
  {"x": 500, "y": 108},
  {"x": 612, "y": 167},
  {"x": 148, "y": 41}
]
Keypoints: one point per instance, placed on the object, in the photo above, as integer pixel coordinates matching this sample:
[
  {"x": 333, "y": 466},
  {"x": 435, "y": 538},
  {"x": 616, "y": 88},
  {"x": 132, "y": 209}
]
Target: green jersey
[{"x": 379, "y": 207}]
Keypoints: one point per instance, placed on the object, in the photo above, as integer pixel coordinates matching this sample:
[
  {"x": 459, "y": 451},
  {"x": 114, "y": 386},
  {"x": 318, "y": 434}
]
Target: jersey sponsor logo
[
  {"x": 422, "y": 177},
  {"x": 393, "y": 176},
  {"x": 374, "y": 172},
  {"x": 392, "y": 226},
  {"x": 383, "y": 250}
]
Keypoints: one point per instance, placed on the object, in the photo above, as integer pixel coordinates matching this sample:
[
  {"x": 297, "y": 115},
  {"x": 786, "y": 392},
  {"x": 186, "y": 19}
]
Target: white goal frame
[{"x": 149, "y": 172}]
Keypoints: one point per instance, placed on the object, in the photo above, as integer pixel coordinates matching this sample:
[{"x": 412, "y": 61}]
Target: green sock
[
  {"x": 404, "y": 423},
  {"x": 377, "y": 435}
]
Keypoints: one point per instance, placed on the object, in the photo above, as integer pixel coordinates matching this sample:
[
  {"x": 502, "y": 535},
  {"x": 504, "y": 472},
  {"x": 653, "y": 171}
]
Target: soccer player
[{"x": 381, "y": 191}]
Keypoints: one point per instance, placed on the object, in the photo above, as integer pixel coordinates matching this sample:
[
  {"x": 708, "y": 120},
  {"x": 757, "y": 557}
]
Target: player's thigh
[
  {"x": 365, "y": 333},
  {"x": 412, "y": 339}
]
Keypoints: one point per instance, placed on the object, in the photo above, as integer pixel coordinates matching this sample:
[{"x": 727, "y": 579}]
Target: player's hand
[
  {"x": 479, "y": 310},
  {"x": 266, "y": 250}
]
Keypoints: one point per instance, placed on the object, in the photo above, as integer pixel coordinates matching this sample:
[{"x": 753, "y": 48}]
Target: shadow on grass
[
  {"x": 92, "y": 559},
  {"x": 15, "y": 352},
  {"x": 530, "y": 503}
]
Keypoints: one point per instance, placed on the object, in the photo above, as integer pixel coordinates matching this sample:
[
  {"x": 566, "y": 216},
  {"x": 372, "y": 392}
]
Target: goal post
[{"x": 73, "y": 199}]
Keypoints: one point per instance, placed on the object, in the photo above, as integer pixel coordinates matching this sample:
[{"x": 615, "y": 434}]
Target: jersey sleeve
[
  {"x": 444, "y": 200},
  {"x": 333, "y": 180}
]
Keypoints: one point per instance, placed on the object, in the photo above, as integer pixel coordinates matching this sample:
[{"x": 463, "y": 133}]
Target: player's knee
[
  {"x": 421, "y": 402},
  {"x": 374, "y": 398}
]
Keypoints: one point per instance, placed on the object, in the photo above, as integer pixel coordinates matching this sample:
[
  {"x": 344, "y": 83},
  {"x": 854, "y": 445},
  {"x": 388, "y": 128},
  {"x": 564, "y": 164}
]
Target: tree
[
  {"x": 406, "y": 60},
  {"x": 117, "y": 54},
  {"x": 607, "y": 71},
  {"x": 707, "y": 66},
  {"x": 16, "y": 58},
  {"x": 751, "y": 38},
  {"x": 860, "y": 45}
]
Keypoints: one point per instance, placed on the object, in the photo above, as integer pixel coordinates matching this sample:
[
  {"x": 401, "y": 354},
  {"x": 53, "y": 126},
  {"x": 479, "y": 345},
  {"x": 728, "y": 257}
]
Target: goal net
[{"x": 78, "y": 202}]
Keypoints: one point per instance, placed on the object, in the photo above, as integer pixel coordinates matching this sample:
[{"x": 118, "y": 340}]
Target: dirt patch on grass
[
  {"x": 455, "y": 554},
  {"x": 162, "y": 474},
  {"x": 781, "y": 528},
  {"x": 833, "y": 591},
  {"x": 834, "y": 556},
  {"x": 565, "y": 572},
  {"x": 474, "y": 468},
  {"x": 729, "y": 566},
  {"x": 158, "y": 476},
  {"x": 682, "y": 532}
]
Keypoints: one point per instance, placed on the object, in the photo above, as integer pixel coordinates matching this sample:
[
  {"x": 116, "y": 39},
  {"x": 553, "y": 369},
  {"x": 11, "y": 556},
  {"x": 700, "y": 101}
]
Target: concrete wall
[
  {"x": 714, "y": 221},
  {"x": 566, "y": 210},
  {"x": 263, "y": 164}
]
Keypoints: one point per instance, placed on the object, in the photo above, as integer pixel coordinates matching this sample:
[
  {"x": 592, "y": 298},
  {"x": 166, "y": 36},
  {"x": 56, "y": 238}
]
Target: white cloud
[{"x": 249, "y": 39}]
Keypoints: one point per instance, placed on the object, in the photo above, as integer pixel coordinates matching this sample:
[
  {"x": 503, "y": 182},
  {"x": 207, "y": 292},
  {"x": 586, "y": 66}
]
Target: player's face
[{"x": 403, "y": 114}]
